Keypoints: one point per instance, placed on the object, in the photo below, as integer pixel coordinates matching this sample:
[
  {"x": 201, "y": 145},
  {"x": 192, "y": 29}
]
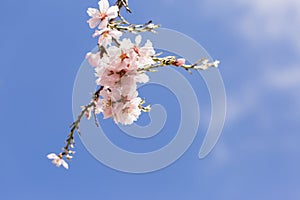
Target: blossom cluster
[
  {"x": 116, "y": 65},
  {"x": 119, "y": 64}
]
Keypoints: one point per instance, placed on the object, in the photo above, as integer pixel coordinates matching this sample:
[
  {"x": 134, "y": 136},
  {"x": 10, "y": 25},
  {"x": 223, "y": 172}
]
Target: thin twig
[
  {"x": 75, "y": 125},
  {"x": 202, "y": 64},
  {"x": 123, "y": 3}
]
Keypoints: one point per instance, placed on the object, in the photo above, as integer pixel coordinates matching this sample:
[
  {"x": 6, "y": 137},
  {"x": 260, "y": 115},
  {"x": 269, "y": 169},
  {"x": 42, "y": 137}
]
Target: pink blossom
[
  {"x": 145, "y": 52},
  {"x": 127, "y": 85},
  {"x": 93, "y": 58},
  {"x": 106, "y": 36},
  {"x": 104, "y": 104},
  {"x": 124, "y": 109},
  {"x": 107, "y": 77},
  {"x": 120, "y": 59},
  {"x": 103, "y": 15},
  {"x": 123, "y": 57},
  {"x": 128, "y": 112}
]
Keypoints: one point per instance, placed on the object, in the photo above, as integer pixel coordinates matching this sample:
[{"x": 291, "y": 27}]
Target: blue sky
[{"x": 257, "y": 157}]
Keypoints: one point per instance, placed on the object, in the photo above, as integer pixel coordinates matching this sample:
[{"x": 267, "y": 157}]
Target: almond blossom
[
  {"x": 57, "y": 160},
  {"x": 103, "y": 15},
  {"x": 108, "y": 77},
  {"x": 121, "y": 57},
  {"x": 145, "y": 52},
  {"x": 104, "y": 105},
  {"x": 129, "y": 112},
  {"x": 93, "y": 58},
  {"x": 106, "y": 36},
  {"x": 125, "y": 109}
]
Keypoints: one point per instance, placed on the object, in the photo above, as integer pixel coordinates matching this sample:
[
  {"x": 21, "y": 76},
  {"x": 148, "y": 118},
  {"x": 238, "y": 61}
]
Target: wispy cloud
[
  {"x": 254, "y": 96},
  {"x": 259, "y": 20},
  {"x": 287, "y": 79}
]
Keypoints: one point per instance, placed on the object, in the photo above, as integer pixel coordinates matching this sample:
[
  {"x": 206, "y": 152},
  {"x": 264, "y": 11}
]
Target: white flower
[
  {"x": 145, "y": 52},
  {"x": 126, "y": 44},
  {"x": 103, "y": 15},
  {"x": 57, "y": 160},
  {"x": 128, "y": 112},
  {"x": 138, "y": 40},
  {"x": 107, "y": 35}
]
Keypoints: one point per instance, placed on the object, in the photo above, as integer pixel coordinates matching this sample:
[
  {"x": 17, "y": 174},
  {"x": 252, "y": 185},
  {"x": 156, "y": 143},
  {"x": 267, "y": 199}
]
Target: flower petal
[
  {"x": 112, "y": 12},
  {"x": 64, "y": 164},
  {"x": 103, "y": 5},
  {"x": 57, "y": 162},
  {"x": 52, "y": 156},
  {"x": 93, "y": 12},
  {"x": 180, "y": 62},
  {"x": 116, "y": 34},
  {"x": 97, "y": 33},
  {"x": 138, "y": 40},
  {"x": 142, "y": 78},
  {"x": 93, "y": 22},
  {"x": 93, "y": 59},
  {"x": 103, "y": 24}
]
